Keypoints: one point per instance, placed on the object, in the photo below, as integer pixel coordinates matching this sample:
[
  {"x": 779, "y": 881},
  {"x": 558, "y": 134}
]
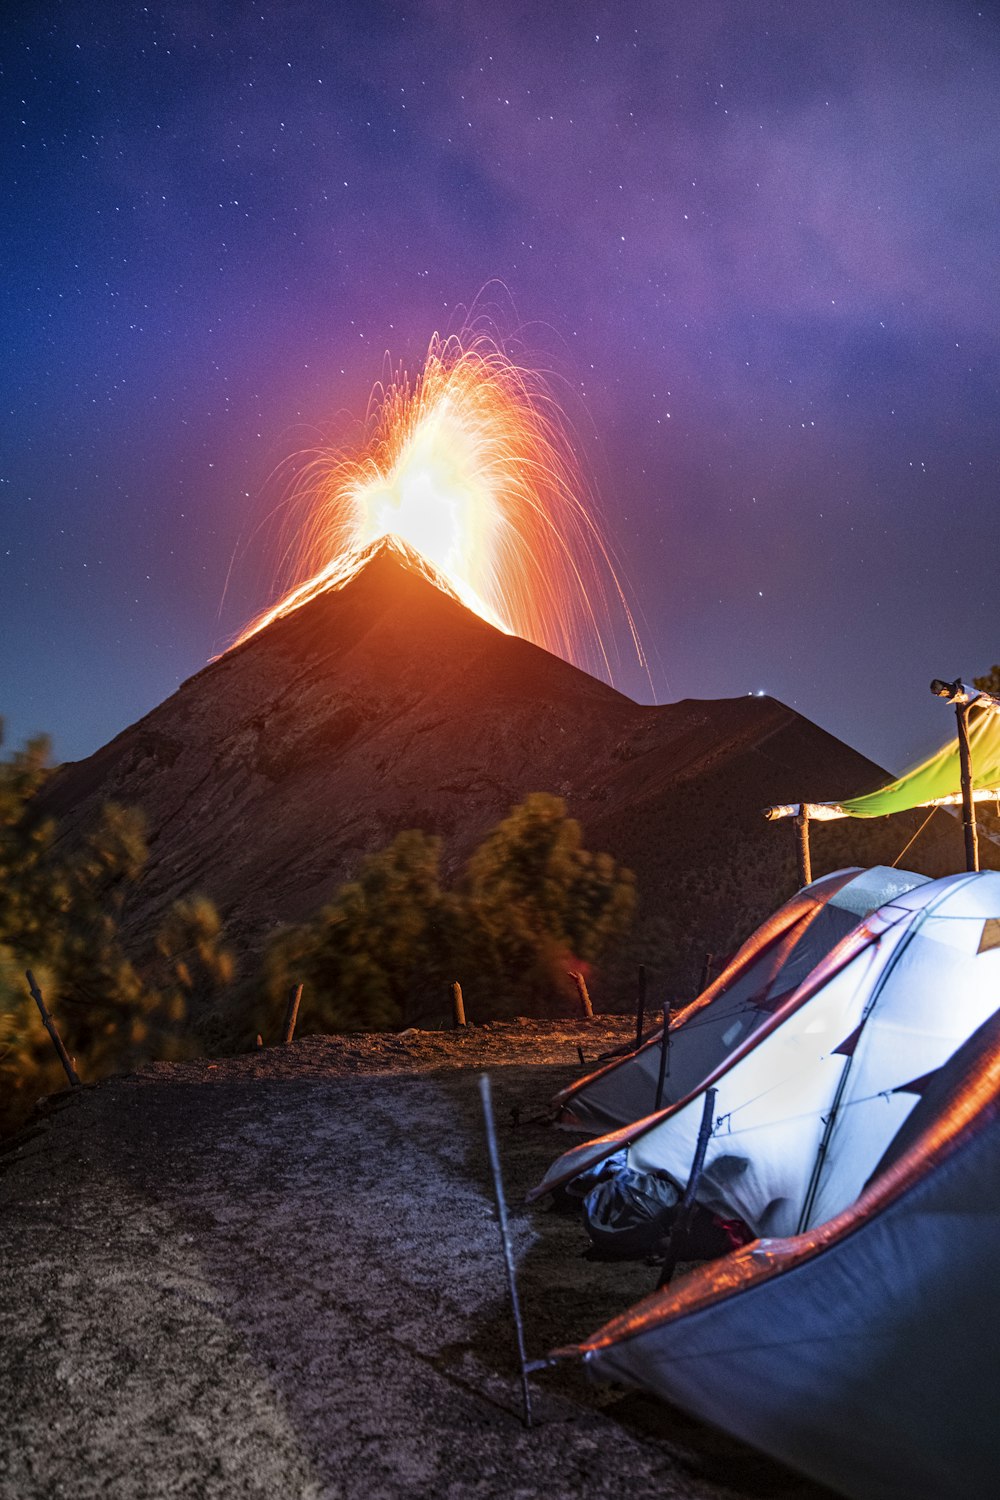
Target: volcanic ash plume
[{"x": 469, "y": 463}]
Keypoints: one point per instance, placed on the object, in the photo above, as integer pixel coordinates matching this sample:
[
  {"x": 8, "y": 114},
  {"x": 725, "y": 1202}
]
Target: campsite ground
[{"x": 280, "y": 1275}]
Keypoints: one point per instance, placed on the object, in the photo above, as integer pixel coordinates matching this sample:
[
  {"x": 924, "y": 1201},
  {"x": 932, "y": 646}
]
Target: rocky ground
[{"x": 280, "y": 1275}]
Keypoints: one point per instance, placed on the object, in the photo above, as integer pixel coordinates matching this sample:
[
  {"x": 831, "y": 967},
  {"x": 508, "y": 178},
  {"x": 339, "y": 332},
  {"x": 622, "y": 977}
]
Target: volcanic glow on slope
[{"x": 469, "y": 464}]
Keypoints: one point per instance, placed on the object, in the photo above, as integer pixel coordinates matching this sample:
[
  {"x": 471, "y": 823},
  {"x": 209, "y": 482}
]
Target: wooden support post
[
  {"x": 682, "y": 1223},
  {"x": 664, "y": 1057},
  {"x": 292, "y": 1012},
  {"x": 508, "y": 1256},
  {"x": 582, "y": 991},
  {"x": 968, "y": 805},
  {"x": 706, "y": 972},
  {"x": 457, "y": 1005},
  {"x": 50, "y": 1027},
  {"x": 640, "y": 1005},
  {"x": 802, "y": 847}
]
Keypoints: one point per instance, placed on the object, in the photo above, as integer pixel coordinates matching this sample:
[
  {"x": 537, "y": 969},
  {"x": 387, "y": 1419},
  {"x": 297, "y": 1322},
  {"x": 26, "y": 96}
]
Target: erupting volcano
[{"x": 469, "y": 464}]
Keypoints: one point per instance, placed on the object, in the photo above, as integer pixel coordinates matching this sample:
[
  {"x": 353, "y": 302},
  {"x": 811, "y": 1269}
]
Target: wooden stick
[
  {"x": 968, "y": 805},
  {"x": 292, "y": 1012},
  {"x": 457, "y": 1004},
  {"x": 582, "y": 991},
  {"x": 664, "y": 1057},
  {"x": 640, "y": 1005},
  {"x": 508, "y": 1257},
  {"x": 803, "y": 855},
  {"x": 50, "y": 1027},
  {"x": 685, "y": 1213},
  {"x": 706, "y": 972}
]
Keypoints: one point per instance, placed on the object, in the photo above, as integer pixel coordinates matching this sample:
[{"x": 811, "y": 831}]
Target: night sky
[{"x": 757, "y": 243}]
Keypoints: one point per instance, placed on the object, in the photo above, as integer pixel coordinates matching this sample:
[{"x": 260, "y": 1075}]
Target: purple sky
[{"x": 759, "y": 242}]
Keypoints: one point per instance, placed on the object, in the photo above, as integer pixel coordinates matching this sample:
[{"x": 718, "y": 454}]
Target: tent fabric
[
  {"x": 939, "y": 775},
  {"x": 864, "y": 1352},
  {"x": 766, "y": 969},
  {"x": 801, "y": 1118}
]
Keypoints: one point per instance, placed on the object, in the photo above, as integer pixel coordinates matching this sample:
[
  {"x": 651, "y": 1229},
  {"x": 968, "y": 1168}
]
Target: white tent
[
  {"x": 865, "y": 1352},
  {"x": 765, "y": 970},
  {"x": 806, "y": 1106}
]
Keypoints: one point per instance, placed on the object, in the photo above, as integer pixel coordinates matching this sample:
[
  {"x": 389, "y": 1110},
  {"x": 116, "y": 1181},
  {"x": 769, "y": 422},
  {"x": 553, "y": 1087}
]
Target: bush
[{"x": 531, "y": 904}]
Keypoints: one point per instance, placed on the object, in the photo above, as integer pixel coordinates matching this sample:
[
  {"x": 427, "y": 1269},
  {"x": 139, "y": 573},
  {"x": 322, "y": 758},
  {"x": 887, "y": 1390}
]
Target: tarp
[
  {"x": 936, "y": 779},
  {"x": 865, "y": 1352},
  {"x": 772, "y": 963},
  {"x": 806, "y": 1106}
]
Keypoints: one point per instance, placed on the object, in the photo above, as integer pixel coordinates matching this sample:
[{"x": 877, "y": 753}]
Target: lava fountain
[{"x": 470, "y": 463}]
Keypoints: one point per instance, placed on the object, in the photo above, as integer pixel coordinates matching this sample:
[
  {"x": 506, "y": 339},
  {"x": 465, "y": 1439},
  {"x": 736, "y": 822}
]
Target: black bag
[{"x": 629, "y": 1214}]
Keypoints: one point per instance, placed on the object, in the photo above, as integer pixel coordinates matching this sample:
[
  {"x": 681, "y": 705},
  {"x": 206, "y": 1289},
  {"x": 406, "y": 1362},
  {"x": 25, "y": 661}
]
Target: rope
[{"x": 914, "y": 838}]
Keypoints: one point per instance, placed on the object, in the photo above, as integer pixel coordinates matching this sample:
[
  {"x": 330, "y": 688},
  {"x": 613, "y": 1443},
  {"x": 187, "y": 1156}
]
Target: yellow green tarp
[{"x": 940, "y": 776}]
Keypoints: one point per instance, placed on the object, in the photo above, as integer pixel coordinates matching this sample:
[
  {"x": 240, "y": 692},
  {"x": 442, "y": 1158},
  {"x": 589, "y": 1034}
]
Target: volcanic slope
[{"x": 384, "y": 704}]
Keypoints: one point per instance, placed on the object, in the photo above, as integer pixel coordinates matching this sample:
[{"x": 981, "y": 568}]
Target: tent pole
[
  {"x": 640, "y": 1008},
  {"x": 802, "y": 846},
  {"x": 968, "y": 805},
  {"x": 664, "y": 1057},
  {"x": 682, "y": 1222},
  {"x": 486, "y": 1094}
]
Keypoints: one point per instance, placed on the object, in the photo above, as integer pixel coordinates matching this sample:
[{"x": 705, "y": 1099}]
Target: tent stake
[
  {"x": 640, "y": 1006},
  {"x": 968, "y": 805},
  {"x": 457, "y": 1005},
  {"x": 292, "y": 1012},
  {"x": 486, "y": 1094},
  {"x": 50, "y": 1027},
  {"x": 664, "y": 1057},
  {"x": 584, "y": 994},
  {"x": 685, "y": 1213}
]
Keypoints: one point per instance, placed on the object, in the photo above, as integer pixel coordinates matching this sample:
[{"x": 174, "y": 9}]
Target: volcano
[{"x": 384, "y": 704}]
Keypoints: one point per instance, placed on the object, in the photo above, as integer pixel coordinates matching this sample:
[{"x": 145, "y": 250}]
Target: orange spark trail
[{"x": 468, "y": 462}]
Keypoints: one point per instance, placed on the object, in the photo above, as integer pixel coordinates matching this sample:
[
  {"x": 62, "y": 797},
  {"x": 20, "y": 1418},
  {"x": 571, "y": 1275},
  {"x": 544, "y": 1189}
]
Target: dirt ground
[{"x": 280, "y": 1275}]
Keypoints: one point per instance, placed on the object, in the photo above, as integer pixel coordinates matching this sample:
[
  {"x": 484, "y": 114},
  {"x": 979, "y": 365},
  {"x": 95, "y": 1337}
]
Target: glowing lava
[{"x": 469, "y": 464}]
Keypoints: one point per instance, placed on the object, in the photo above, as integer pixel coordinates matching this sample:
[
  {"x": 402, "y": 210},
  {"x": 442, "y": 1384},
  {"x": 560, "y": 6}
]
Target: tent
[
  {"x": 806, "y": 1106},
  {"x": 766, "y": 969},
  {"x": 866, "y": 1351}
]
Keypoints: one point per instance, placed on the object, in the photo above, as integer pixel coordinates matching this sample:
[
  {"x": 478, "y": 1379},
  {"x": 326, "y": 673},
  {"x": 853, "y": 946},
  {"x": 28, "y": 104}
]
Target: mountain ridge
[{"x": 386, "y": 704}]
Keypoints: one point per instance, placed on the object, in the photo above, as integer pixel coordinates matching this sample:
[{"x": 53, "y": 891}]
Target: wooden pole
[
  {"x": 50, "y": 1027},
  {"x": 292, "y": 1012},
  {"x": 664, "y": 1057},
  {"x": 582, "y": 991},
  {"x": 640, "y": 1005},
  {"x": 457, "y": 1004},
  {"x": 706, "y": 972},
  {"x": 802, "y": 847},
  {"x": 508, "y": 1256},
  {"x": 685, "y": 1213},
  {"x": 968, "y": 805}
]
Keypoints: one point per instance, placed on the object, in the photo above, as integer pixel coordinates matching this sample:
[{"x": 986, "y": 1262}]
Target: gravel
[{"x": 280, "y": 1275}]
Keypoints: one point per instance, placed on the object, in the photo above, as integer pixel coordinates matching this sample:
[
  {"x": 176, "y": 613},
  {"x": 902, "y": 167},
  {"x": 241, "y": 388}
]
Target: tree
[
  {"x": 377, "y": 949},
  {"x": 24, "y": 839},
  {"x": 990, "y": 681},
  {"x": 29, "y": 1067},
  {"x": 60, "y": 915},
  {"x": 536, "y": 903}
]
